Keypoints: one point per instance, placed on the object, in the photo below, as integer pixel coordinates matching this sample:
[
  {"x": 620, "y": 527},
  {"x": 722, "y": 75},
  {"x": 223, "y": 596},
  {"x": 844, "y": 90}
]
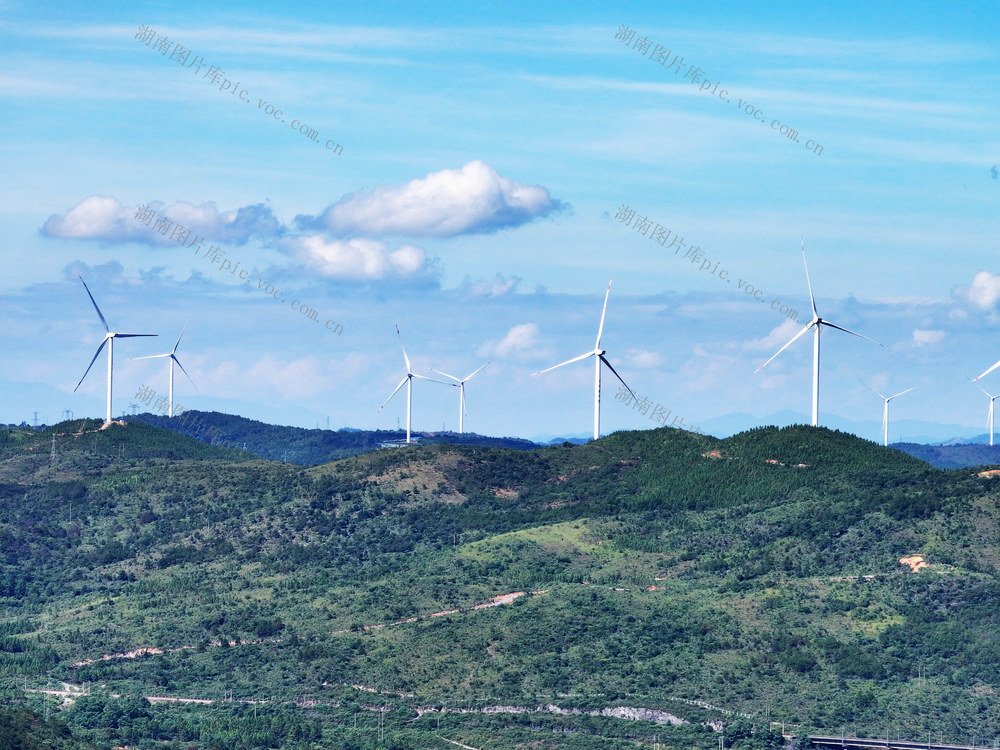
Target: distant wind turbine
[
  {"x": 990, "y": 420},
  {"x": 885, "y": 409},
  {"x": 461, "y": 394},
  {"x": 408, "y": 382},
  {"x": 172, "y": 354},
  {"x": 598, "y": 355},
  {"x": 109, "y": 339},
  {"x": 816, "y": 324}
]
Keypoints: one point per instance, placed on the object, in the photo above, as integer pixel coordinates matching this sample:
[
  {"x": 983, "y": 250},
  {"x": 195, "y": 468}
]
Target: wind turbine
[
  {"x": 461, "y": 394},
  {"x": 109, "y": 339},
  {"x": 992, "y": 399},
  {"x": 885, "y": 410},
  {"x": 172, "y": 354},
  {"x": 987, "y": 372},
  {"x": 408, "y": 382},
  {"x": 598, "y": 355},
  {"x": 816, "y": 323}
]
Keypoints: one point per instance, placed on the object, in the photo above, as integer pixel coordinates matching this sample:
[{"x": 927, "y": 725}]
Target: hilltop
[
  {"x": 650, "y": 582},
  {"x": 303, "y": 446}
]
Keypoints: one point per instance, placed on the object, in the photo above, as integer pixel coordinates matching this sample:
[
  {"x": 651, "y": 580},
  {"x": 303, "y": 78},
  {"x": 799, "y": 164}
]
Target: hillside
[
  {"x": 301, "y": 446},
  {"x": 953, "y": 456},
  {"x": 573, "y": 596}
]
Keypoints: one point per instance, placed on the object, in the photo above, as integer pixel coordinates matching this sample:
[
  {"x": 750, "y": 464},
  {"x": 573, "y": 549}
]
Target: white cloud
[
  {"x": 471, "y": 200},
  {"x": 776, "y": 339},
  {"x": 927, "y": 337},
  {"x": 359, "y": 259},
  {"x": 498, "y": 287},
  {"x": 984, "y": 292},
  {"x": 643, "y": 358},
  {"x": 519, "y": 339},
  {"x": 105, "y": 219}
]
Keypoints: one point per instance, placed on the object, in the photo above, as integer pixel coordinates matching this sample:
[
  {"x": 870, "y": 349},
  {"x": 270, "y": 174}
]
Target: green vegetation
[
  {"x": 301, "y": 446},
  {"x": 738, "y": 582}
]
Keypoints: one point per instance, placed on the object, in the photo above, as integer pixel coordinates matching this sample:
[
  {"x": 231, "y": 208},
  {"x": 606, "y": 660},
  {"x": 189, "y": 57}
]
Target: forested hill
[
  {"x": 953, "y": 456},
  {"x": 573, "y": 596},
  {"x": 302, "y": 446}
]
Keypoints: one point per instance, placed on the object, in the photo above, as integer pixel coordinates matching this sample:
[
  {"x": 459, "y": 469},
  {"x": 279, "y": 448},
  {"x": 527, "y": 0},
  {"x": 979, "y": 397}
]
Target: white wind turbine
[
  {"x": 987, "y": 372},
  {"x": 885, "y": 409},
  {"x": 598, "y": 355},
  {"x": 408, "y": 382},
  {"x": 172, "y": 354},
  {"x": 816, "y": 323},
  {"x": 992, "y": 399},
  {"x": 109, "y": 339},
  {"x": 461, "y": 394}
]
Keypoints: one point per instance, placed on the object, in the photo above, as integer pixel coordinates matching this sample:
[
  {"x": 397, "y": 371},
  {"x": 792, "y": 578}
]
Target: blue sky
[{"x": 484, "y": 153}]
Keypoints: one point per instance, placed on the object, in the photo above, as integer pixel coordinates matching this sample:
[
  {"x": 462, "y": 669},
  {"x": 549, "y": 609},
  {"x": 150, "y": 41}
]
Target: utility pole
[{"x": 53, "y": 457}]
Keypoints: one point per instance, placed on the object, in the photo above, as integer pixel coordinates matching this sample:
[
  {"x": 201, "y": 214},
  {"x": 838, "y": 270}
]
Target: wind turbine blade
[
  {"x": 605, "y": 361},
  {"x": 469, "y": 377},
  {"x": 604, "y": 312},
  {"x": 96, "y": 355},
  {"x": 445, "y": 374},
  {"x": 432, "y": 380},
  {"x": 987, "y": 372},
  {"x": 183, "y": 370},
  {"x": 405, "y": 358},
  {"x": 854, "y": 333},
  {"x": 984, "y": 391},
  {"x": 901, "y": 393},
  {"x": 153, "y": 356},
  {"x": 790, "y": 342},
  {"x": 870, "y": 388},
  {"x": 99, "y": 314},
  {"x": 133, "y": 335},
  {"x": 812, "y": 299},
  {"x": 401, "y": 384},
  {"x": 567, "y": 362},
  {"x": 179, "y": 339}
]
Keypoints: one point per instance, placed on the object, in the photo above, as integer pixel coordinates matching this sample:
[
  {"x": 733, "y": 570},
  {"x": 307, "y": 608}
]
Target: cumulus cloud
[
  {"x": 519, "y": 339},
  {"x": 105, "y": 219},
  {"x": 359, "y": 259},
  {"x": 498, "y": 287},
  {"x": 927, "y": 337},
  {"x": 984, "y": 292},
  {"x": 471, "y": 200}
]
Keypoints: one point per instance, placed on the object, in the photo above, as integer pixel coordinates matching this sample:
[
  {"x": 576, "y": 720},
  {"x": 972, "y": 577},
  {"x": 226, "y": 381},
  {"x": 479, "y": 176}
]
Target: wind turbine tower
[
  {"x": 816, "y": 324},
  {"x": 990, "y": 420},
  {"x": 598, "y": 354},
  {"x": 109, "y": 339},
  {"x": 461, "y": 393},
  {"x": 408, "y": 382},
  {"x": 172, "y": 354},
  {"x": 885, "y": 410}
]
